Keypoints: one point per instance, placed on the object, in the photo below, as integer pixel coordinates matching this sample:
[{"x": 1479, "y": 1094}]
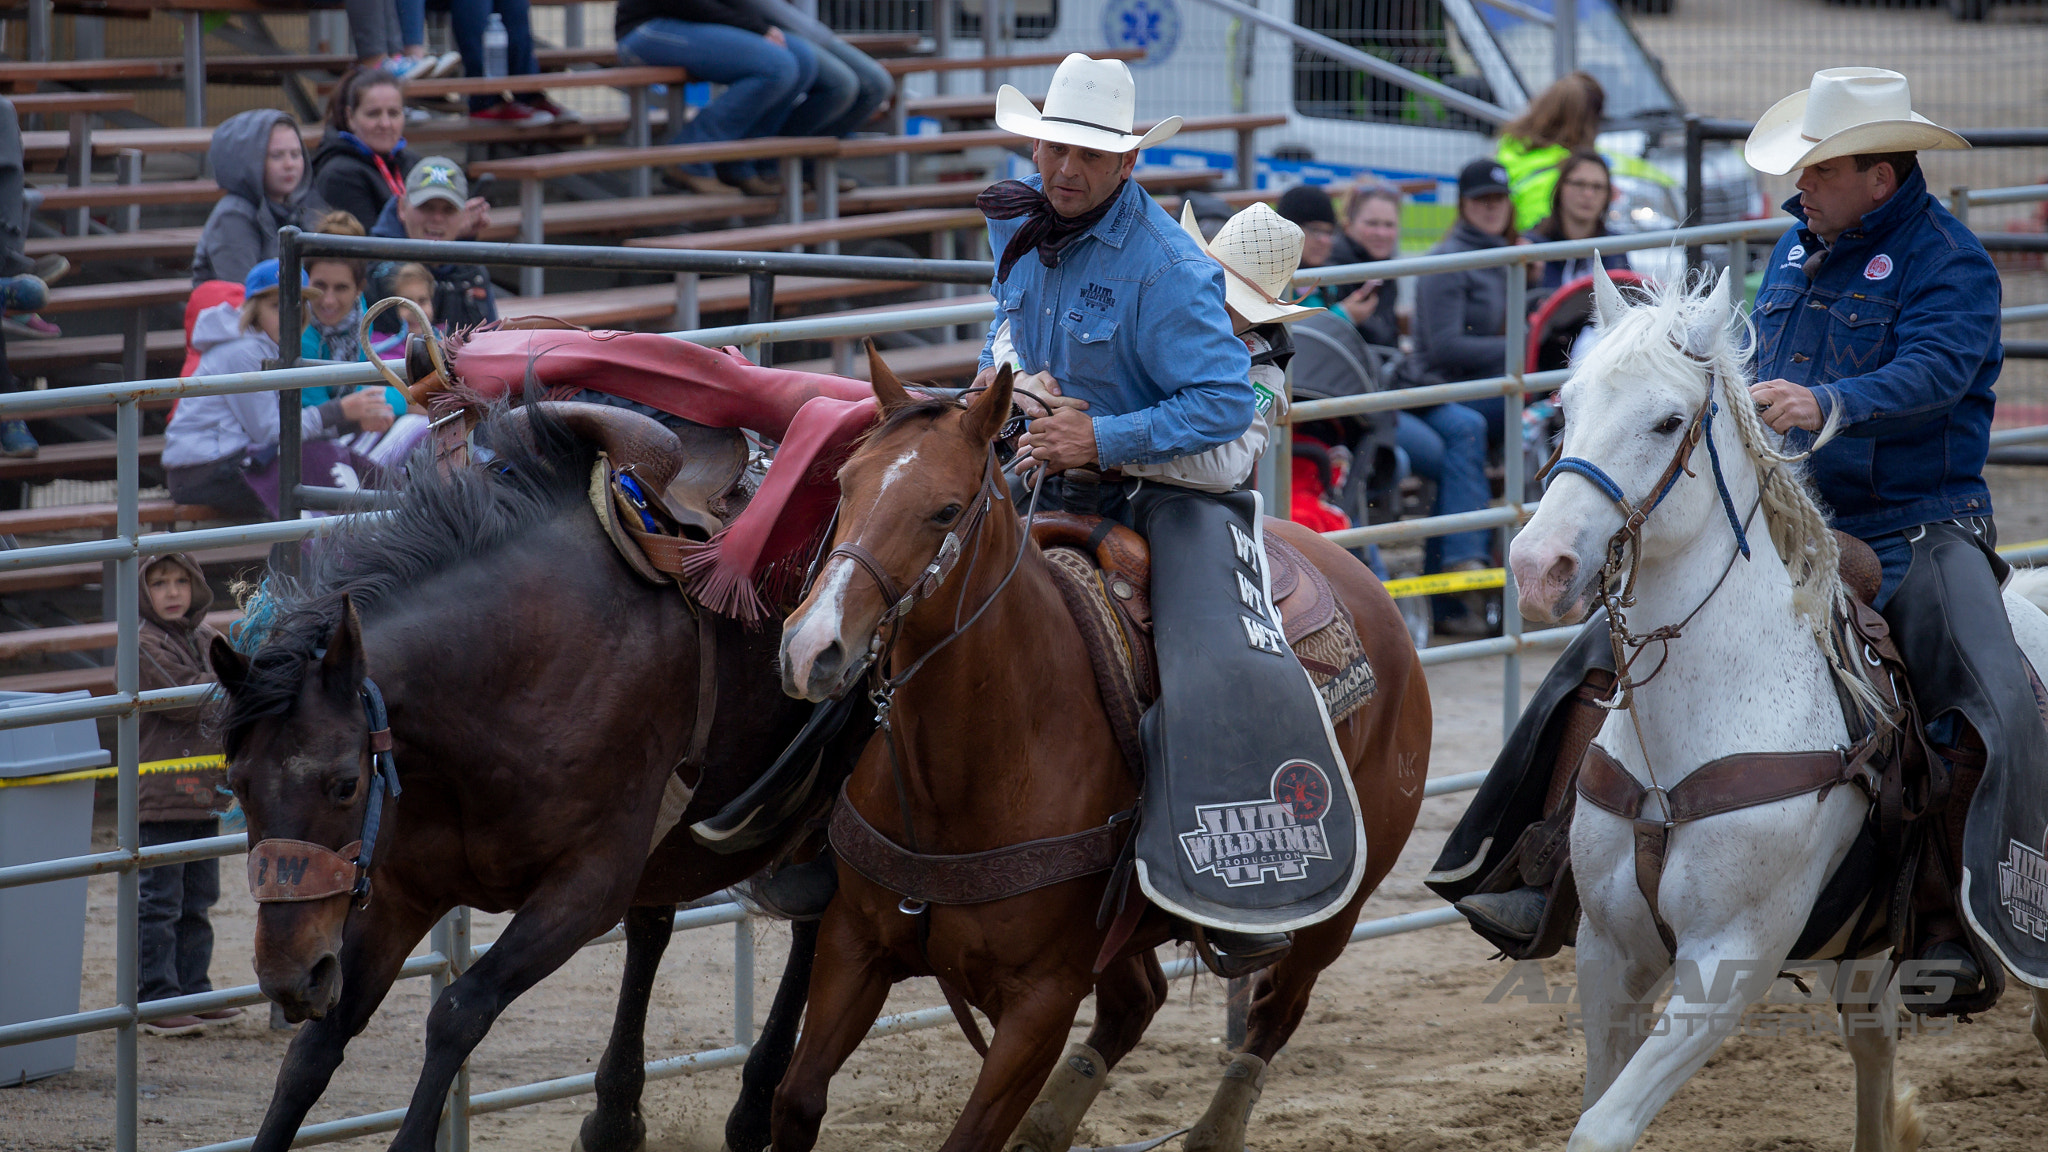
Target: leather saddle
[
  {"x": 1104, "y": 572},
  {"x": 656, "y": 490},
  {"x": 687, "y": 467}
]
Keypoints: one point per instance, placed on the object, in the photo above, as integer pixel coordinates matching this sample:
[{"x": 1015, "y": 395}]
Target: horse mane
[
  {"x": 924, "y": 408},
  {"x": 1675, "y": 330},
  {"x": 440, "y": 519}
]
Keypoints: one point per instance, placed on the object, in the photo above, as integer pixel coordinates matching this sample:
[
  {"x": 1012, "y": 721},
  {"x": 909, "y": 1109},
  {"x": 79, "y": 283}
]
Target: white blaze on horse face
[
  {"x": 813, "y": 630},
  {"x": 896, "y": 469}
]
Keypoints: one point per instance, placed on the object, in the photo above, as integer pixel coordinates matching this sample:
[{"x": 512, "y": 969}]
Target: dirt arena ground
[{"x": 1400, "y": 1051}]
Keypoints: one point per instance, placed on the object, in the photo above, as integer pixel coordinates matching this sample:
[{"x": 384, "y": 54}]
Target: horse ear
[
  {"x": 889, "y": 391},
  {"x": 988, "y": 412},
  {"x": 1704, "y": 334},
  {"x": 344, "y": 666},
  {"x": 1607, "y": 302},
  {"x": 230, "y": 667}
]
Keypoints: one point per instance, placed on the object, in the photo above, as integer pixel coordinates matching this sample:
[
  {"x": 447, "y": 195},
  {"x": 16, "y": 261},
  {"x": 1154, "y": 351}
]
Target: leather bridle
[
  {"x": 285, "y": 871},
  {"x": 1617, "y": 578}
]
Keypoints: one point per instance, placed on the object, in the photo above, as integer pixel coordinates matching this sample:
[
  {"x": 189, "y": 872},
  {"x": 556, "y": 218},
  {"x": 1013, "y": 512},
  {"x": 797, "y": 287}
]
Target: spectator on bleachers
[
  {"x": 414, "y": 283},
  {"x": 373, "y": 26},
  {"x": 1445, "y": 443},
  {"x": 334, "y": 310},
  {"x": 848, "y": 79},
  {"x": 361, "y": 162},
  {"x": 221, "y": 451},
  {"x": 727, "y": 42},
  {"x": 1578, "y": 211},
  {"x": 437, "y": 206},
  {"x": 259, "y": 160},
  {"x": 24, "y": 283},
  {"x": 1563, "y": 118},
  {"x": 1461, "y": 317},
  {"x": 1309, "y": 206},
  {"x": 174, "y": 938},
  {"x": 21, "y": 279},
  {"x": 467, "y": 20},
  {"x": 1372, "y": 231},
  {"x": 413, "y": 63}
]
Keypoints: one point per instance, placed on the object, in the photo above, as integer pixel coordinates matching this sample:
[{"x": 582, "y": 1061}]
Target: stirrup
[{"x": 1253, "y": 950}]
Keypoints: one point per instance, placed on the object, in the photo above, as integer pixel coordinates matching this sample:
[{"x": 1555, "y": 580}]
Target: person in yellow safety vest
[{"x": 1562, "y": 119}]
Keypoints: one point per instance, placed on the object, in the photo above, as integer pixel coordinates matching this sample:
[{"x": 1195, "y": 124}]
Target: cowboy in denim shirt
[
  {"x": 1117, "y": 322},
  {"x": 1880, "y": 313},
  {"x": 1129, "y": 321}
]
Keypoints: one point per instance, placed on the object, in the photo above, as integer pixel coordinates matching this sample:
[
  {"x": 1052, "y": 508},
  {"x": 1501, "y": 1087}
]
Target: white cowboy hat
[
  {"x": 1260, "y": 250},
  {"x": 1091, "y": 104},
  {"x": 1845, "y": 112}
]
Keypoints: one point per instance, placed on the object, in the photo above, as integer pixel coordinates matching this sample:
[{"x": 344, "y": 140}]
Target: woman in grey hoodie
[
  {"x": 221, "y": 451},
  {"x": 259, "y": 160}
]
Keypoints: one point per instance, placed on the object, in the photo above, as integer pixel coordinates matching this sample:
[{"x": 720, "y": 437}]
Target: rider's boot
[
  {"x": 799, "y": 891},
  {"x": 1542, "y": 860},
  {"x": 1516, "y": 913}
]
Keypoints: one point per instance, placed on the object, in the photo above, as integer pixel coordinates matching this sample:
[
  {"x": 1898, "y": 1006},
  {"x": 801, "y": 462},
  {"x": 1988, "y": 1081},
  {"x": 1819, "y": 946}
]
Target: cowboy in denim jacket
[{"x": 1879, "y": 313}]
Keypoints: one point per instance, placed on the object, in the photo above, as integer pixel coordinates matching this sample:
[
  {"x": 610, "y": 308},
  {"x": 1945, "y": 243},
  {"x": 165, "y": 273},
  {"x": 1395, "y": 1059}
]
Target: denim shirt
[
  {"x": 1131, "y": 320},
  {"x": 1898, "y": 328}
]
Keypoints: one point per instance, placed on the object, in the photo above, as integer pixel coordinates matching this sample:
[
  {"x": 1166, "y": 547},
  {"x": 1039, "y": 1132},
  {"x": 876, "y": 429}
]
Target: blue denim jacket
[
  {"x": 1899, "y": 328},
  {"x": 1131, "y": 320}
]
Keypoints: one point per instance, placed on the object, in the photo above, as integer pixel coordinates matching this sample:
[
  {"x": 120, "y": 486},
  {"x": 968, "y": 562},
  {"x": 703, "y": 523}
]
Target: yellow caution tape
[
  {"x": 1438, "y": 583},
  {"x": 182, "y": 764},
  {"x": 2023, "y": 546}
]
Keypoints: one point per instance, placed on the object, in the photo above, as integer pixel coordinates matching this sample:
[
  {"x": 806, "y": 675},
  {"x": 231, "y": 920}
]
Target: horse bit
[{"x": 290, "y": 871}]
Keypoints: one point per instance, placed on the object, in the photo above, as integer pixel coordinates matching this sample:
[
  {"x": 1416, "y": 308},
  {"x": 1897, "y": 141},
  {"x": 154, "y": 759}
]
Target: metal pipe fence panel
[{"x": 453, "y": 951}]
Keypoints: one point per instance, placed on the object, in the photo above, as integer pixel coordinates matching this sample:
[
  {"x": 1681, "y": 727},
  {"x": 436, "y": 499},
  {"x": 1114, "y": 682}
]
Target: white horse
[{"x": 1751, "y": 672}]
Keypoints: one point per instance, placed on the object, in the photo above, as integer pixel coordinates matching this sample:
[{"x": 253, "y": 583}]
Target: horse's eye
[
  {"x": 946, "y": 515},
  {"x": 1669, "y": 424},
  {"x": 345, "y": 790}
]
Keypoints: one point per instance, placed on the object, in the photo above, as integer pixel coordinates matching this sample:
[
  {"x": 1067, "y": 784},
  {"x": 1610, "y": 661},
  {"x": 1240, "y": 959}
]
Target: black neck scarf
[{"x": 1045, "y": 230}]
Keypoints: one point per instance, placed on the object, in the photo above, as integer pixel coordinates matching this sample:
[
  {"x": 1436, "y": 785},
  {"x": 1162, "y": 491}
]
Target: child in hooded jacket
[
  {"x": 176, "y": 938},
  {"x": 259, "y": 160}
]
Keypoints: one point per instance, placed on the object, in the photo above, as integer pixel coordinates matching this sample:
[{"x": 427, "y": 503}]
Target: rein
[
  {"x": 290, "y": 871},
  {"x": 882, "y": 692}
]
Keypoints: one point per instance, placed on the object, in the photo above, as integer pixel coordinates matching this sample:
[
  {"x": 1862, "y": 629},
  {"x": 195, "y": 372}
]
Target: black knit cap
[{"x": 1307, "y": 204}]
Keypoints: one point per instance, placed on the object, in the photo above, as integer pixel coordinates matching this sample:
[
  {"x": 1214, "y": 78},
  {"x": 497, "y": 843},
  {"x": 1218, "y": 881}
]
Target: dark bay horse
[
  {"x": 540, "y": 695},
  {"x": 1003, "y": 738}
]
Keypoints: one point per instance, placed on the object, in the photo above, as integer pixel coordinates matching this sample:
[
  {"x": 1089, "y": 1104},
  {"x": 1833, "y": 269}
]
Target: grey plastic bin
[{"x": 42, "y": 926}]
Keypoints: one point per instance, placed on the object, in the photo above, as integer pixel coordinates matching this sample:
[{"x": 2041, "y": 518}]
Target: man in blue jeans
[
  {"x": 1447, "y": 444},
  {"x": 468, "y": 19},
  {"x": 774, "y": 83}
]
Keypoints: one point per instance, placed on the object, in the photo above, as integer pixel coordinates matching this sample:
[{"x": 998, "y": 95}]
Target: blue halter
[{"x": 1702, "y": 428}]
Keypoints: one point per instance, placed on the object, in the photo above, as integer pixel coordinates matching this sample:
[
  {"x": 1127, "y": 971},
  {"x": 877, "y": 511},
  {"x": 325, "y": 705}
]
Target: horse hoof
[
  {"x": 1048, "y": 1126},
  {"x": 591, "y": 1135},
  {"x": 1221, "y": 1128}
]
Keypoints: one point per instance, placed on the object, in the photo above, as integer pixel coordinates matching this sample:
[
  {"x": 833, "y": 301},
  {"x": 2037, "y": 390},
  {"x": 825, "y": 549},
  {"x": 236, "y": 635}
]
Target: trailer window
[
  {"x": 1410, "y": 33},
  {"x": 1608, "y": 50},
  {"x": 1035, "y": 18}
]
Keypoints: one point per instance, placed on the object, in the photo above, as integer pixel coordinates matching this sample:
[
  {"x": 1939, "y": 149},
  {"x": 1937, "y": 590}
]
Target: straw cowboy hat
[
  {"x": 1845, "y": 112},
  {"x": 1260, "y": 251},
  {"x": 1090, "y": 105}
]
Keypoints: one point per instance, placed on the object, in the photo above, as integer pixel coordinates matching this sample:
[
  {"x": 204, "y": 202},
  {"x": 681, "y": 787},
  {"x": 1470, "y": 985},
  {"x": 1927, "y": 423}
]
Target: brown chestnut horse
[
  {"x": 1003, "y": 738},
  {"x": 540, "y": 695}
]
